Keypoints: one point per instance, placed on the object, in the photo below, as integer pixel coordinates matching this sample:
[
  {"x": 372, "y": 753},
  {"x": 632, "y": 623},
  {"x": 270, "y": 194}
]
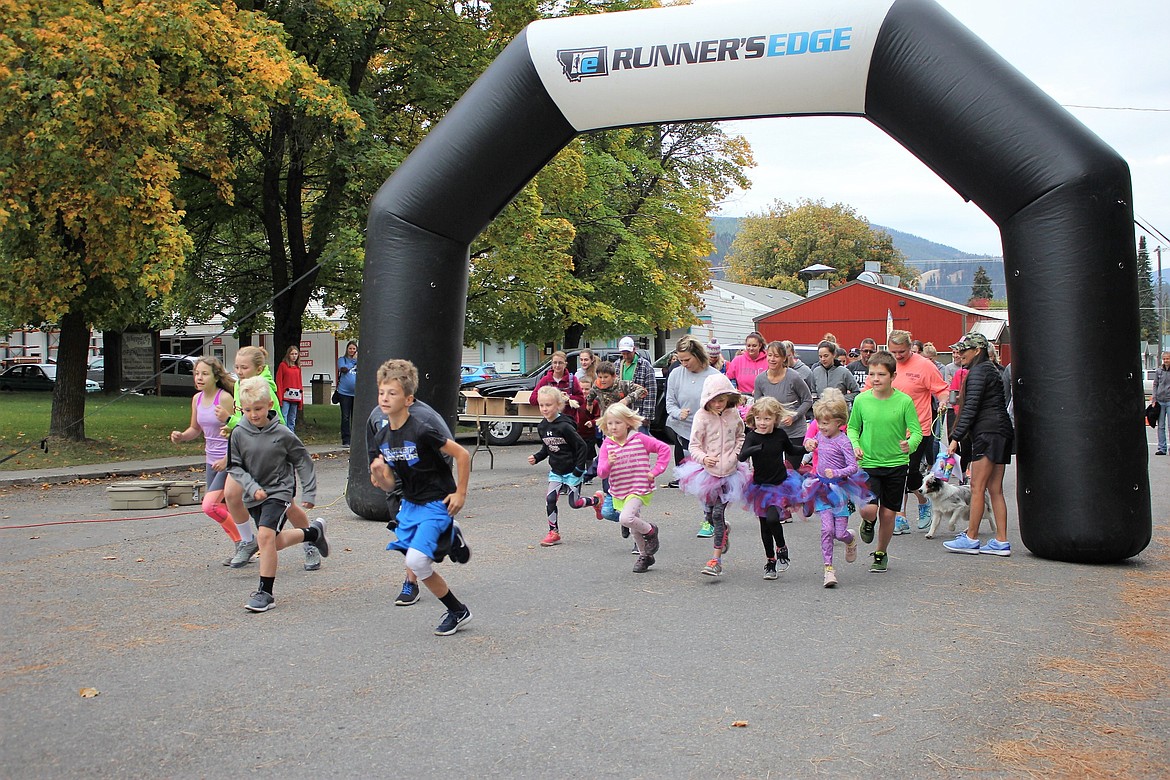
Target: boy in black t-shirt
[{"x": 410, "y": 453}]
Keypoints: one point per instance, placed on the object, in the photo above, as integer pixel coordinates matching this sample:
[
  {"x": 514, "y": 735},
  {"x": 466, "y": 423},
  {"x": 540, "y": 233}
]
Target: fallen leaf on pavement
[{"x": 88, "y": 693}]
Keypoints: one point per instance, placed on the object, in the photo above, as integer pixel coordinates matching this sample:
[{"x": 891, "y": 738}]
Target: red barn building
[{"x": 859, "y": 310}]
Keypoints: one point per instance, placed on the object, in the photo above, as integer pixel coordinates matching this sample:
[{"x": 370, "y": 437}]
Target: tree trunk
[
  {"x": 573, "y": 335},
  {"x": 112, "y": 361},
  {"x": 67, "y": 419}
]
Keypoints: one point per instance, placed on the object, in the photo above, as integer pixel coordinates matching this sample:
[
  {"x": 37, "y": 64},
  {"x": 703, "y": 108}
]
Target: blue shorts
[
  {"x": 419, "y": 527},
  {"x": 572, "y": 480}
]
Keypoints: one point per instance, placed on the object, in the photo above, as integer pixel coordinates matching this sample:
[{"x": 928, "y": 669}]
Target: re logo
[{"x": 583, "y": 63}]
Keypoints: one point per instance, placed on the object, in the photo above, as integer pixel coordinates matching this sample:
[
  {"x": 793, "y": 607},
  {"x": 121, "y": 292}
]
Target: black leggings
[
  {"x": 575, "y": 500},
  {"x": 716, "y": 515},
  {"x": 772, "y": 531}
]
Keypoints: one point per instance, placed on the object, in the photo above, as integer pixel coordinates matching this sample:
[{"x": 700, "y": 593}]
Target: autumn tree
[
  {"x": 772, "y": 247},
  {"x": 981, "y": 289},
  {"x": 635, "y": 204},
  {"x": 101, "y": 104}
]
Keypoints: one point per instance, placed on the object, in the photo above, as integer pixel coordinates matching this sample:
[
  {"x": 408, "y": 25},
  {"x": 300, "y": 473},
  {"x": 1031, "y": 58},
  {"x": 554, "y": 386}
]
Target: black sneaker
[
  {"x": 625, "y": 532},
  {"x": 672, "y": 484},
  {"x": 453, "y": 622},
  {"x": 410, "y": 594},
  {"x": 652, "y": 541},
  {"x": 782, "y": 559},
  {"x": 460, "y": 552},
  {"x": 643, "y": 564},
  {"x": 321, "y": 544},
  {"x": 770, "y": 570}
]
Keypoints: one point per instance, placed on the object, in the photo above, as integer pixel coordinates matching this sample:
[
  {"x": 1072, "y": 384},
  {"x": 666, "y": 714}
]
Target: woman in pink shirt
[{"x": 744, "y": 369}]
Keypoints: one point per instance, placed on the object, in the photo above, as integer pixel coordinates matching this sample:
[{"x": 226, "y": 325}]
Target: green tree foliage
[
  {"x": 1146, "y": 299},
  {"x": 981, "y": 289},
  {"x": 101, "y": 104},
  {"x": 772, "y": 247},
  {"x": 627, "y": 210}
]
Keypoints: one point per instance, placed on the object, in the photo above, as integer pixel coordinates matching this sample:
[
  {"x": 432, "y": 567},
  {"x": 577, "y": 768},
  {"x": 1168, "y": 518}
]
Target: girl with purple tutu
[
  {"x": 836, "y": 480},
  {"x": 712, "y": 472},
  {"x": 772, "y": 488}
]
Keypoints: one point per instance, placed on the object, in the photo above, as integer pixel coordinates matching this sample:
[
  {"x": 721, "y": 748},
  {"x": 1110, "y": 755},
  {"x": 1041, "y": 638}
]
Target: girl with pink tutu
[
  {"x": 772, "y": 488},
  {"x": 836, "y": 480},
  {"x": 712, "y": 472}
]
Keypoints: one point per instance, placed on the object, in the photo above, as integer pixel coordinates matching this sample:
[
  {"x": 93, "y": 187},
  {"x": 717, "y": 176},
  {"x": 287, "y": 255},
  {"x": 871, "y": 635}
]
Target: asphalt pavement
[{"x": 126, "y": 651}]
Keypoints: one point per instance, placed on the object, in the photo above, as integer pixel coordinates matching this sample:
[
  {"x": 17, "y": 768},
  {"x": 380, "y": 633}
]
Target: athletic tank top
[{"x": 216, "y": 446}]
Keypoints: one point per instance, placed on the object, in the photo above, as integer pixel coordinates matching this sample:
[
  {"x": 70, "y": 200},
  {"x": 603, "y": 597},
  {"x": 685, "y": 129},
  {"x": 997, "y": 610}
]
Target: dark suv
[{"x": 503, "y": 432}]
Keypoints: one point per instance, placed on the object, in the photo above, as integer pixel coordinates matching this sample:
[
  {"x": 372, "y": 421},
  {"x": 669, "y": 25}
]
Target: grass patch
[{"x": 122, "y": 428}]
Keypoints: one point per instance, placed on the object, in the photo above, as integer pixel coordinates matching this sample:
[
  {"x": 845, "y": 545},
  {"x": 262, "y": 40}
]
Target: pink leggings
[
  {"x": 833, "y": 528},
  {"x": 631, "y": 518}
]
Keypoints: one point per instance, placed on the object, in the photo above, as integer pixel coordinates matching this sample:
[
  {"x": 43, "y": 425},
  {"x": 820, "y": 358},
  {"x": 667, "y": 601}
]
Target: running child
[
  {"x": 712, "y": 473},
  {"x": 566, "y": 454},
  {"x": 215, "y": 387},
  {"x": 410, "y": 454},
  {"x": 264, "y": 456},
  {"x": 631, "y": 460},
  {"x": 836, "y": 481},
  {"x": 884, "y": 430},
  {"x": 608, "y": 390},
  {"x": 772, "y": 489}
]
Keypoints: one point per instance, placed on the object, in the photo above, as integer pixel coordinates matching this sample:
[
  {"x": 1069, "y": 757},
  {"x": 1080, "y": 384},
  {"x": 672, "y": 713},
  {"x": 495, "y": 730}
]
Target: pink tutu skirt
[
  {"x": 694, "y": 480},
  {"x": 757, "y": 498},
  {"x": 835, "y": 493}
]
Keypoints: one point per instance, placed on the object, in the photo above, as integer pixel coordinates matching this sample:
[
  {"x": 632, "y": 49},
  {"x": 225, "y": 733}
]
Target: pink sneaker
[
  {"x": 851, "y": 548},
  {"x": 550, "y": 540},
  {"x": 599, "y": 497}
]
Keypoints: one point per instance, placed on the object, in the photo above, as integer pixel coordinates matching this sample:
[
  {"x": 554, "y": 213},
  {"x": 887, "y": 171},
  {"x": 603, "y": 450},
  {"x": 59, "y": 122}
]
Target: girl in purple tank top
[{"x": 215, "y": 391}]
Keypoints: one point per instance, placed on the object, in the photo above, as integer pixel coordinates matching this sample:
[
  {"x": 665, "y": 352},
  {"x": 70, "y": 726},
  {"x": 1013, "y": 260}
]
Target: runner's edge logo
[{"x": 578, "y": 64}]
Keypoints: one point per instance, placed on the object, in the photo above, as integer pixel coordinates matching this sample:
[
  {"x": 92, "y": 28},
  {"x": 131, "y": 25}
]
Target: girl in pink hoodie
[{"x": 712, "y": 472}]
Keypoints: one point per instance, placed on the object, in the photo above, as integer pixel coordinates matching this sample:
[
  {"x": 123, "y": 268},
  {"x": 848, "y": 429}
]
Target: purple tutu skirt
[
  {"x": 757, "y": 498},
  {"x": 694, "y": 480},
  {"x": 836, "y": 493}
]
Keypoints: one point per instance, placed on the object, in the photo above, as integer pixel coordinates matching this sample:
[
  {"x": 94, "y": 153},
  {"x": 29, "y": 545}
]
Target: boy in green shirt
[{"x": 884, "y": 430}]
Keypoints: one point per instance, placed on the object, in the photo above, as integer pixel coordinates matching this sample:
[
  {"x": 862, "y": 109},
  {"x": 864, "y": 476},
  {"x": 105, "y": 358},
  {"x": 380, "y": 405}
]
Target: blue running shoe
[
  {"x": 924, "y": 516},
  {"x": 963, "y": 544},
  {"x": 996, "y": 547},
  {"x": 901, "y": 525}
]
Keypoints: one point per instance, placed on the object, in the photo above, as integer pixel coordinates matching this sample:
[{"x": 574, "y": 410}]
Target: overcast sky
[{"x": 1113, "y": 54}]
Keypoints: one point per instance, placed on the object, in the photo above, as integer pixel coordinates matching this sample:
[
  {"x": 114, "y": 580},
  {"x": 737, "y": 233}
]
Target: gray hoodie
[{"x": 265, "y": 458}]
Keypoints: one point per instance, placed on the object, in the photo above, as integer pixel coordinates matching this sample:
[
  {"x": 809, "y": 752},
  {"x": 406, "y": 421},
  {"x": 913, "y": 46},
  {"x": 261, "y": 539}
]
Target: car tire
[{"x": 501, "y": 433}]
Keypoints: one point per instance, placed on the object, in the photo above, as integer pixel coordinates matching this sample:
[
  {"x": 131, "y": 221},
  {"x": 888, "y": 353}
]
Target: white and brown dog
[{"x": 950, "y": 505}]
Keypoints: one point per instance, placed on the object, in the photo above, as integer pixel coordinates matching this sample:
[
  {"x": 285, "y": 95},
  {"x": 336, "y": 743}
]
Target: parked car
[
  {"x": 37, "y": 377},
  {"x": 469, "y": 374},
  {"x": 1148, "y": 381},
  {"x": 97, "y": 370},
  {"x": 503, "y": 432},
  {"x": 177, "y": 377}
]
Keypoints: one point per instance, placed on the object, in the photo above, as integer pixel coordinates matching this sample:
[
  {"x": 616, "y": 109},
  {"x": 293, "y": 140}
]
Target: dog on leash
[{"x": 950, "y": 505}]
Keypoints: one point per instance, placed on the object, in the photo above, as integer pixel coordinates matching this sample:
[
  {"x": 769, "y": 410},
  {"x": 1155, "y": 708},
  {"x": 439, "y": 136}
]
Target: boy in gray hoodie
[{"x": 266, "y": 460}]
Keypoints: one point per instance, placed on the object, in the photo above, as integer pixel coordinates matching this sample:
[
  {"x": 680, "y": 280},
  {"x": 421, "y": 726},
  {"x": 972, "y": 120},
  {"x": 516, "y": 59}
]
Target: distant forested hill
[{"x": 946, "y": 272}]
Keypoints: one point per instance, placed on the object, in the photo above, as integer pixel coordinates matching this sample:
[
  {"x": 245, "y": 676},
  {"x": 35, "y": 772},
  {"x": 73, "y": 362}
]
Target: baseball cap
[
  {"x": 855, "y": 353},
  {"x": 626, "y": 344},
  {"x": 972, "y": 340}
]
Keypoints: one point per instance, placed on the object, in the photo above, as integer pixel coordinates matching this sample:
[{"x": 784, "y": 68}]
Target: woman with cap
[
  {"x": 715, "y": 357},
  {"x": 983, "y": 415}
]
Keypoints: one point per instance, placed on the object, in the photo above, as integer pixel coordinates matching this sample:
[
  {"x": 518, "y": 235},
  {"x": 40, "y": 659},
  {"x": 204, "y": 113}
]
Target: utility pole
[{"x": 1159, "y": 304}]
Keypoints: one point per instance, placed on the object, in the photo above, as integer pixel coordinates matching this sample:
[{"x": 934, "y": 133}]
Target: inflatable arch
[{"x": 1059, "y": 195}]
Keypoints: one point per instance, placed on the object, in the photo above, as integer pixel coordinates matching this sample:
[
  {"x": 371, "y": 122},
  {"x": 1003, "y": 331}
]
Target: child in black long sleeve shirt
[
  {"x": 771, "y": 490},
  {"x": 567, "y": 458}
]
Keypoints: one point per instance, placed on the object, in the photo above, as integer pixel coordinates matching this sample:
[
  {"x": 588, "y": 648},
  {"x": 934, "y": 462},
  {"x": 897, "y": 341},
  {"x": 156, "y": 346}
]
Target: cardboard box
[
  {"x": 475, "y": 403},
  {"x": 496, "y": 407},
  {"x": 137, "y": 495},
  {"x": 523, "y": 408}
]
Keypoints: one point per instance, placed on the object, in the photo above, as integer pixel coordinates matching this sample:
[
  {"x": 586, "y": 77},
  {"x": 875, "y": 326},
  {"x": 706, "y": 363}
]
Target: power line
[{"x": 1118, "y": 108}]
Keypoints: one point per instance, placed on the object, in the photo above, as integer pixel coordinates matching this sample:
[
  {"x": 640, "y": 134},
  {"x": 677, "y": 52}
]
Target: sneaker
[
  {"x": 452, "y": 622},
  {"x": 901, "y": 526},
  {"x": 244, "y": 553},
  {"x": 785, "y": 515},
  {"x": 963, "y": 544},
  {"x": 880, "y": 562},
  {"x": 924, "y": 516},
  {"x": 1160, "y": 452},
  {"x": 599, "y": 498},
  {"x": 726, "y": 537},
  {"x": 625, "y": 532},
  {"x": 260, "y": 601},
  {"x": 321, "y": 544},
  {"x": 851, "y": 548},
  {"x": 312, "y": 557},
  {"x": 634, "y": 550},
  {"x": 830, "y": 577},
  {"x": 460, "y": 550},
  {"x": 410, "y": 594},
  {"x": 782, "y": 559},
  {"x": 996, "y": 547},
  {"x": 770, "y": 570},
  {"x": 706, "y": 531},
  {"x": 713, "y": 568},
  {"x": 236, "y": 551},
  {"x": 867, "y": 532},
  {"x": 672, "y": 484},
  {"x": 643, "y": 564},
  {"x": 552, "y": 538},
  {"x": 652, "y": 542}
]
